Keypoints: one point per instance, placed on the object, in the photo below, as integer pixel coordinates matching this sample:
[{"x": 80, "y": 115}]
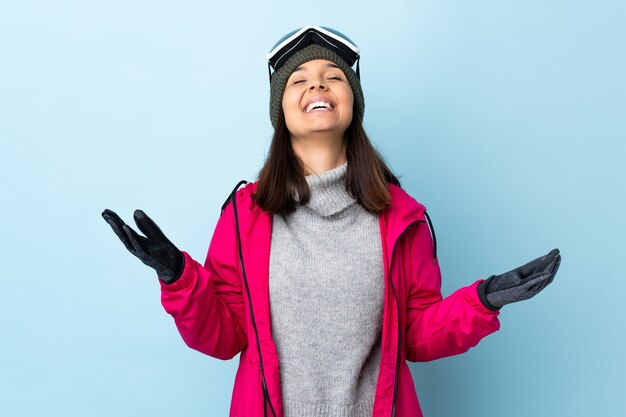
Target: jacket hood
[{"x": 403, "y": 210}]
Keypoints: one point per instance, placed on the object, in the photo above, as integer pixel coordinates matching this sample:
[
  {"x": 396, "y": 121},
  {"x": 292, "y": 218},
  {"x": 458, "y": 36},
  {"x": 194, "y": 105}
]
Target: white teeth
[{"x": 318, "y": 104}]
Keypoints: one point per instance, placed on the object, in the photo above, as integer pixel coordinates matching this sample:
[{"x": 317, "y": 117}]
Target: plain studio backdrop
[{"x": 505, "y": 119}]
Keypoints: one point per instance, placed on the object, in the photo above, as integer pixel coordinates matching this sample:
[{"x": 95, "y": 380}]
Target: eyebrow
[{"x": 328, "y": 65}]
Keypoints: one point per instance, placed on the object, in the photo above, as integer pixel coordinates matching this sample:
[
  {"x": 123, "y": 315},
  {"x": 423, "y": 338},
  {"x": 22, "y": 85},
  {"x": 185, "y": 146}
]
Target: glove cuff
[
  {"x": 482, "y": 294},
  {"x": 179, "y": 267}
]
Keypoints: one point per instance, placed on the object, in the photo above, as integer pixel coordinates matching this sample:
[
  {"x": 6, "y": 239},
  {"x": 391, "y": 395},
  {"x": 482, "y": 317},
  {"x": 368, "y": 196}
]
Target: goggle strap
[
  {"x": 269, "y": 70},
  {"x": 358, "y": 73}
]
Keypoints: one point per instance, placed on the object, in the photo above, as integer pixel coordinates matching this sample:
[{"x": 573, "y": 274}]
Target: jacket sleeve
[
  {"x": 206, "y": 302},
  {"x": 438, "y": 327}
]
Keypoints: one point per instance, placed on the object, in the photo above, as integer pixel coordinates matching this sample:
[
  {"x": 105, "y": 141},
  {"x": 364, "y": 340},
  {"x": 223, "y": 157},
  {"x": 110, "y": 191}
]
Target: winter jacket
[{"x": 221, "y": 311}]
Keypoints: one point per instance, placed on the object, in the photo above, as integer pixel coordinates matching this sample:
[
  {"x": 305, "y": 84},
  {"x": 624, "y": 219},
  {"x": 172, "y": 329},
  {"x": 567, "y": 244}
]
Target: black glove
[
  {"x": 521, "y": 283},
  {"x": 155, "y": 250}
]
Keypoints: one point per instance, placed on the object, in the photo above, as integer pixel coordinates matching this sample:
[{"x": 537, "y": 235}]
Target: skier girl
[{"x": 323, "y": 274}]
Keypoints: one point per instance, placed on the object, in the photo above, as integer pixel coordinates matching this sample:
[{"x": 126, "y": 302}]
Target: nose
[{"x": 319, "y": 83}]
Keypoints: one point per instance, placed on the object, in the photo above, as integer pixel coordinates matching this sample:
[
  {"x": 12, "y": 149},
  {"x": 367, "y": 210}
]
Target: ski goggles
[{"x": 299, "y": 38}]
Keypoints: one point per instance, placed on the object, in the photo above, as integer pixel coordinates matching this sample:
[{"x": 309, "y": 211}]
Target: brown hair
[{"x": 282, "y": 174}]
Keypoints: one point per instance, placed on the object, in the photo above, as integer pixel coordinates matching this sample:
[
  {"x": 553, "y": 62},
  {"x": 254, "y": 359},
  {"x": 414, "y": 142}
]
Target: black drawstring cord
[
  {"x": 232, "y": 193},
  {"x": 233, "y": 197},
  {"x": 430, "y": 224}
]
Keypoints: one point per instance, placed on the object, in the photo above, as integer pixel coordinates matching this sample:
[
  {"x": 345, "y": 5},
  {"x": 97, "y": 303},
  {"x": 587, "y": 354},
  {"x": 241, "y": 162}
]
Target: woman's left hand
[{"x": 521, "y": 283}]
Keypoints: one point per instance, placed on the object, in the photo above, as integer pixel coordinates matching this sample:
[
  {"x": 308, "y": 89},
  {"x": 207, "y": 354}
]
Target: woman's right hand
[{"x": 155, "y": 250}]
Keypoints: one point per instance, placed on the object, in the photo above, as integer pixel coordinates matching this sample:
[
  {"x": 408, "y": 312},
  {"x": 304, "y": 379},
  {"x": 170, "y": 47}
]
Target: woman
[{"x": 346, "y": 257}]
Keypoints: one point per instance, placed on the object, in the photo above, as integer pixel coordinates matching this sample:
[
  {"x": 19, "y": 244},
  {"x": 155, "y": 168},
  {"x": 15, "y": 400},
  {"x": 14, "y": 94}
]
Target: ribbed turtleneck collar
[{"x": 328, "y": 193}]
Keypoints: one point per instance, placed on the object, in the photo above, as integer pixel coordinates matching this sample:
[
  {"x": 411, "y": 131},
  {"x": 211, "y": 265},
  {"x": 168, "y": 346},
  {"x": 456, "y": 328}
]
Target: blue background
[{"x": 505, "y": 119}]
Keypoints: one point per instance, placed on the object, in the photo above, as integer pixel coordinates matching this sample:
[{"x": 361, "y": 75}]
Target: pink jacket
[{"x": 221, "y": 312}]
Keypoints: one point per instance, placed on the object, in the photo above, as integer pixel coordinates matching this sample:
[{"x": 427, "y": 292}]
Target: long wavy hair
[{"x": 283, "y": 172}]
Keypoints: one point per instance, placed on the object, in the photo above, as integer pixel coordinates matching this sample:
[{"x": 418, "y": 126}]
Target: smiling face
[{"x": 317, "y": 99}]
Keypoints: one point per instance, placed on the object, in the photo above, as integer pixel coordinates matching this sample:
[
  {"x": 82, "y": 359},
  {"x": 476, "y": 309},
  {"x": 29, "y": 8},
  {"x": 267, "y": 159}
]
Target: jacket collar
[{"x": 402, "y": 212}]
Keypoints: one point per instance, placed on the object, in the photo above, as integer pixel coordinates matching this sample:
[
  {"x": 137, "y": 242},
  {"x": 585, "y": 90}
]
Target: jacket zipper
[
  {"x": 265, "y": 393},
  {"x": 243, "y": 271},
  {"x": 395, "y": 382}
]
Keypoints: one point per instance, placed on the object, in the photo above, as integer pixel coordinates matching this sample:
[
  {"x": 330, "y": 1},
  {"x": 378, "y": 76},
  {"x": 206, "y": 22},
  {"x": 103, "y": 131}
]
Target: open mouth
[{"x": 319, "y": 106}]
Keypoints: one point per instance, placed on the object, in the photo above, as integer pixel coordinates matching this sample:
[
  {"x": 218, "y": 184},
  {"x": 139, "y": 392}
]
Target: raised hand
[
  {"x": 154, "y": 250},
  {"x": 521, "y": 283}
]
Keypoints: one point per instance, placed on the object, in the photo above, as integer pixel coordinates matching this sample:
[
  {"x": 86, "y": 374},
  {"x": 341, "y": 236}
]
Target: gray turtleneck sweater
[{"x": 326, "y": 301}]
